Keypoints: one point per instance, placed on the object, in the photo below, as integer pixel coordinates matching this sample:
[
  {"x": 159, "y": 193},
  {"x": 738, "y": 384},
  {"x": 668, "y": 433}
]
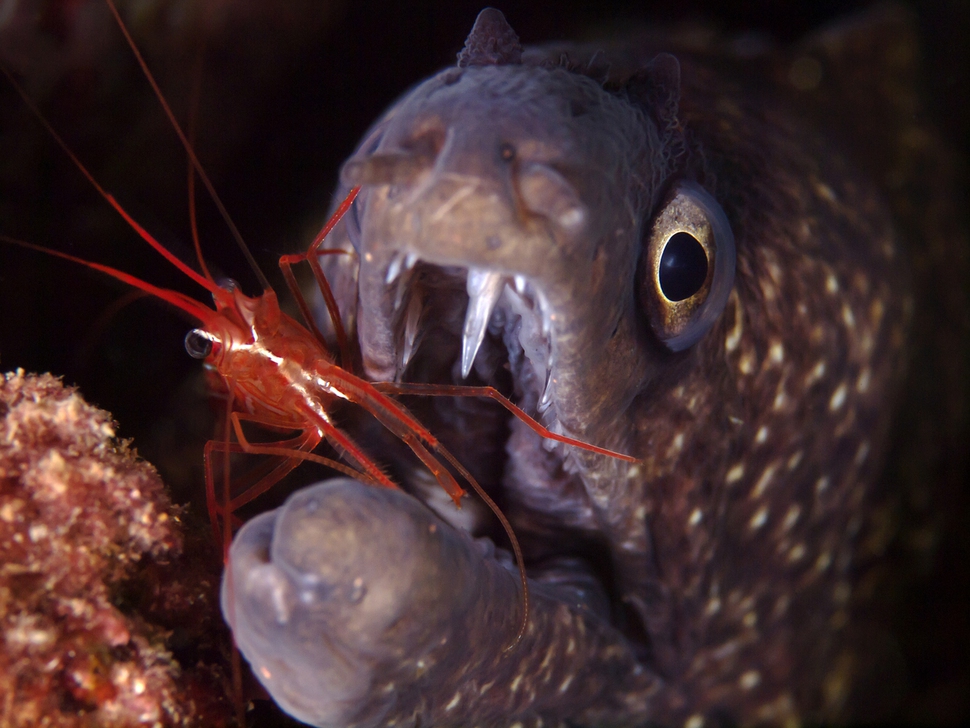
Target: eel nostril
[
  {"x": 392, "y": 168},
  {"x": 548, "y": 193}
]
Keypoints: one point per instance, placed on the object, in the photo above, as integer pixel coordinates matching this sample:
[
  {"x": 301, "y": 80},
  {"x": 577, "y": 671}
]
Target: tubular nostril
[
  {"x": 391, "y": 168},
  {"x": 546, "y": 192}
]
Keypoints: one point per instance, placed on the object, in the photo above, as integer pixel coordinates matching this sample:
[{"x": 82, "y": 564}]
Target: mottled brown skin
[{"x": 740, "y": 545}]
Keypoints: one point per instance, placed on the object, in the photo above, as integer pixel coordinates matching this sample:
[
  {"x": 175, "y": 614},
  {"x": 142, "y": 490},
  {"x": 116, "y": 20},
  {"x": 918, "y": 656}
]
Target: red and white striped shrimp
[{"x": 280, "y": 374}]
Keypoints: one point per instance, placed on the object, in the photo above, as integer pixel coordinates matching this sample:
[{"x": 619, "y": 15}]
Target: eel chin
[
  {"x": 356, "y": 606},
  {"x": 316, "y": 572}
]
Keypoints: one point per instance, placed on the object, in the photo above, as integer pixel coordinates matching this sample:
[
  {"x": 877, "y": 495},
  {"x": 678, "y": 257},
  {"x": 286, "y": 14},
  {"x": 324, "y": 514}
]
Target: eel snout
[
  {"x": 323, "y": 592},
  {"x": 357, "y": 606}
]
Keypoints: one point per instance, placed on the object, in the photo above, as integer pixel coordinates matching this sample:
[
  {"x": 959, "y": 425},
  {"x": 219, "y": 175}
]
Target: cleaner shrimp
[{"x": 282, "y": 375}]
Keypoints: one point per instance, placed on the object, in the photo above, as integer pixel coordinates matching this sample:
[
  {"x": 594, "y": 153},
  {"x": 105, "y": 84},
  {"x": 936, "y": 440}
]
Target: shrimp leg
[
  {"x": 312, "y": 256},
  {"x": 455, "y": 390},
  {"x": 304, "y": 443}
]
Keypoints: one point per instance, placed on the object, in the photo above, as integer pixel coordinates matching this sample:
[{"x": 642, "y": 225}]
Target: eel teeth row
[{"x": 486, "y": 289}]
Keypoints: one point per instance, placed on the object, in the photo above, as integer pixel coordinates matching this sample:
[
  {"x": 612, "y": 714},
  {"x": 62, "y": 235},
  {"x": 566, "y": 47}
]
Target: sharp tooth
[
  {"x": 544, "y": 315},
  {"x": 403, "y": 283},
  {"x": 520, "y": 284},
  {"x": 410, "y": 260},
  {"x": 484, "y": 288},
  {"x": 394, "y": 269},
  {"x": 546, "y": 399},
  {"x": 411, "y": 319}
]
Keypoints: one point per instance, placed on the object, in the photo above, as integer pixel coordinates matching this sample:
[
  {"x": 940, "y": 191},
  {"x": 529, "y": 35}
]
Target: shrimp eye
[
  {"x": 198, "y": 343},
  {"x": 687, "y": 268}
]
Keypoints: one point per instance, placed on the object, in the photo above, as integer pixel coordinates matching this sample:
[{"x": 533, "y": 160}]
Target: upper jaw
[
  {"x": 526, "y": 217},
  {"x": 555, "y": 300}
]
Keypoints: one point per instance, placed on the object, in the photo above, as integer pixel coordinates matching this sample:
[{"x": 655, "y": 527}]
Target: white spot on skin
[
  {"x": 734, "y": 335},
  {"x": 758, "y": 519},
  {"x": 750, "y": 619},
  {"x": 695, "y": 517},
  {"x": 823, "y": 561},
  {"x": 876, "y": 311},
  {"x": 454, "y": 703},
  {"x": 713, "y": 606},
  {"x": 776, "y": 352},
  {"x": 746, "y": 363},
  {"x": 838, "y": 397},
  {"x": 862, "y": 384},
  {"x": 565, "y": 684},
  {"x": 797, "y": 552},
  {"x": 821, "y": 485},
  {"x": 791, "y": 518},
  {"x": 264, "y": 671},
  {"x": 862, "y": 453},
  {"x": 818, "y": 371},
  {"x": 794, "y": 460},
  {"x": 831, "y": 284},
  {"x": 763, "y": 481},
  {"x": 781, "y": 399},
  {"x": 678, "y": 443},
  {"x": 774, "y": 270},
  {"x": 726, "y": 650},
  {"x": 768, "y": 290},
  {"x": 734, "y": 474},
  {"x": 848, "y": 317},
  {"x": 761, "y": 435},
  {"x": 695, "y": 721},
  {"x": 750, "y": 680},
  {"x": 547, "y": 660}
]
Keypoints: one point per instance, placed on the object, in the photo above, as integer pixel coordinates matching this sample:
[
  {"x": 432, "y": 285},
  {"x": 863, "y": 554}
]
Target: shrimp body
[{"x": 281, "y": 375}]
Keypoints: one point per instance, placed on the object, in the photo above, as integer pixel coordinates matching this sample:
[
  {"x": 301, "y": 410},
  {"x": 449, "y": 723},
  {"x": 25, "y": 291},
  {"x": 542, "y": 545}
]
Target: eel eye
[
  {"x": 687, "y": 269},
  {"x": 198, "y": 343},
  {"x": 683, "y": 267}
]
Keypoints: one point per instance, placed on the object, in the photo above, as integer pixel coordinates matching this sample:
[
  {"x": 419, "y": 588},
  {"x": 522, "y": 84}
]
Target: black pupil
[
  {"x": 683, "y": 267},
  {"x": 197, "y": 344}
]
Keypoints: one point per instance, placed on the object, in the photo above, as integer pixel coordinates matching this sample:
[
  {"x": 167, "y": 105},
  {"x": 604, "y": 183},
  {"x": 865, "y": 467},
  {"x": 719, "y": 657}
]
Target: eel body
[{"x": 515, "y": 222}]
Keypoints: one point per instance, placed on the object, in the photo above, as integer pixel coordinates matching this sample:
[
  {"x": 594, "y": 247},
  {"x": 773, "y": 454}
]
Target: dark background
[{"x": 287, "y": 88}]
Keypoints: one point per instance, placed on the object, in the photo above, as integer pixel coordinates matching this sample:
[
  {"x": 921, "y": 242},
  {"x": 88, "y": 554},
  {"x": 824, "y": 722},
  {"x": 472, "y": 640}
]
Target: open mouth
[
  {"x": 468, "y": 326},
  {"x": 506, "y": 326}
]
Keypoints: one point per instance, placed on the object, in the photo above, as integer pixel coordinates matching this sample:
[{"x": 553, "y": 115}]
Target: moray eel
[{"x": 669, "y": 248}]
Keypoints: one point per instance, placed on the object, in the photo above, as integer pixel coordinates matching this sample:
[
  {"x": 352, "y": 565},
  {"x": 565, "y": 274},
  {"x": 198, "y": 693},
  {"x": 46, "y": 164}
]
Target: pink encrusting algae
[{"x": 94, "y": 590}]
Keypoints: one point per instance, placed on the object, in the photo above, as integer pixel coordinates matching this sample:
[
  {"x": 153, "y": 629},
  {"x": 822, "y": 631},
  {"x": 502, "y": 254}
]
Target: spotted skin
[{"x": 741, "y": 544}]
